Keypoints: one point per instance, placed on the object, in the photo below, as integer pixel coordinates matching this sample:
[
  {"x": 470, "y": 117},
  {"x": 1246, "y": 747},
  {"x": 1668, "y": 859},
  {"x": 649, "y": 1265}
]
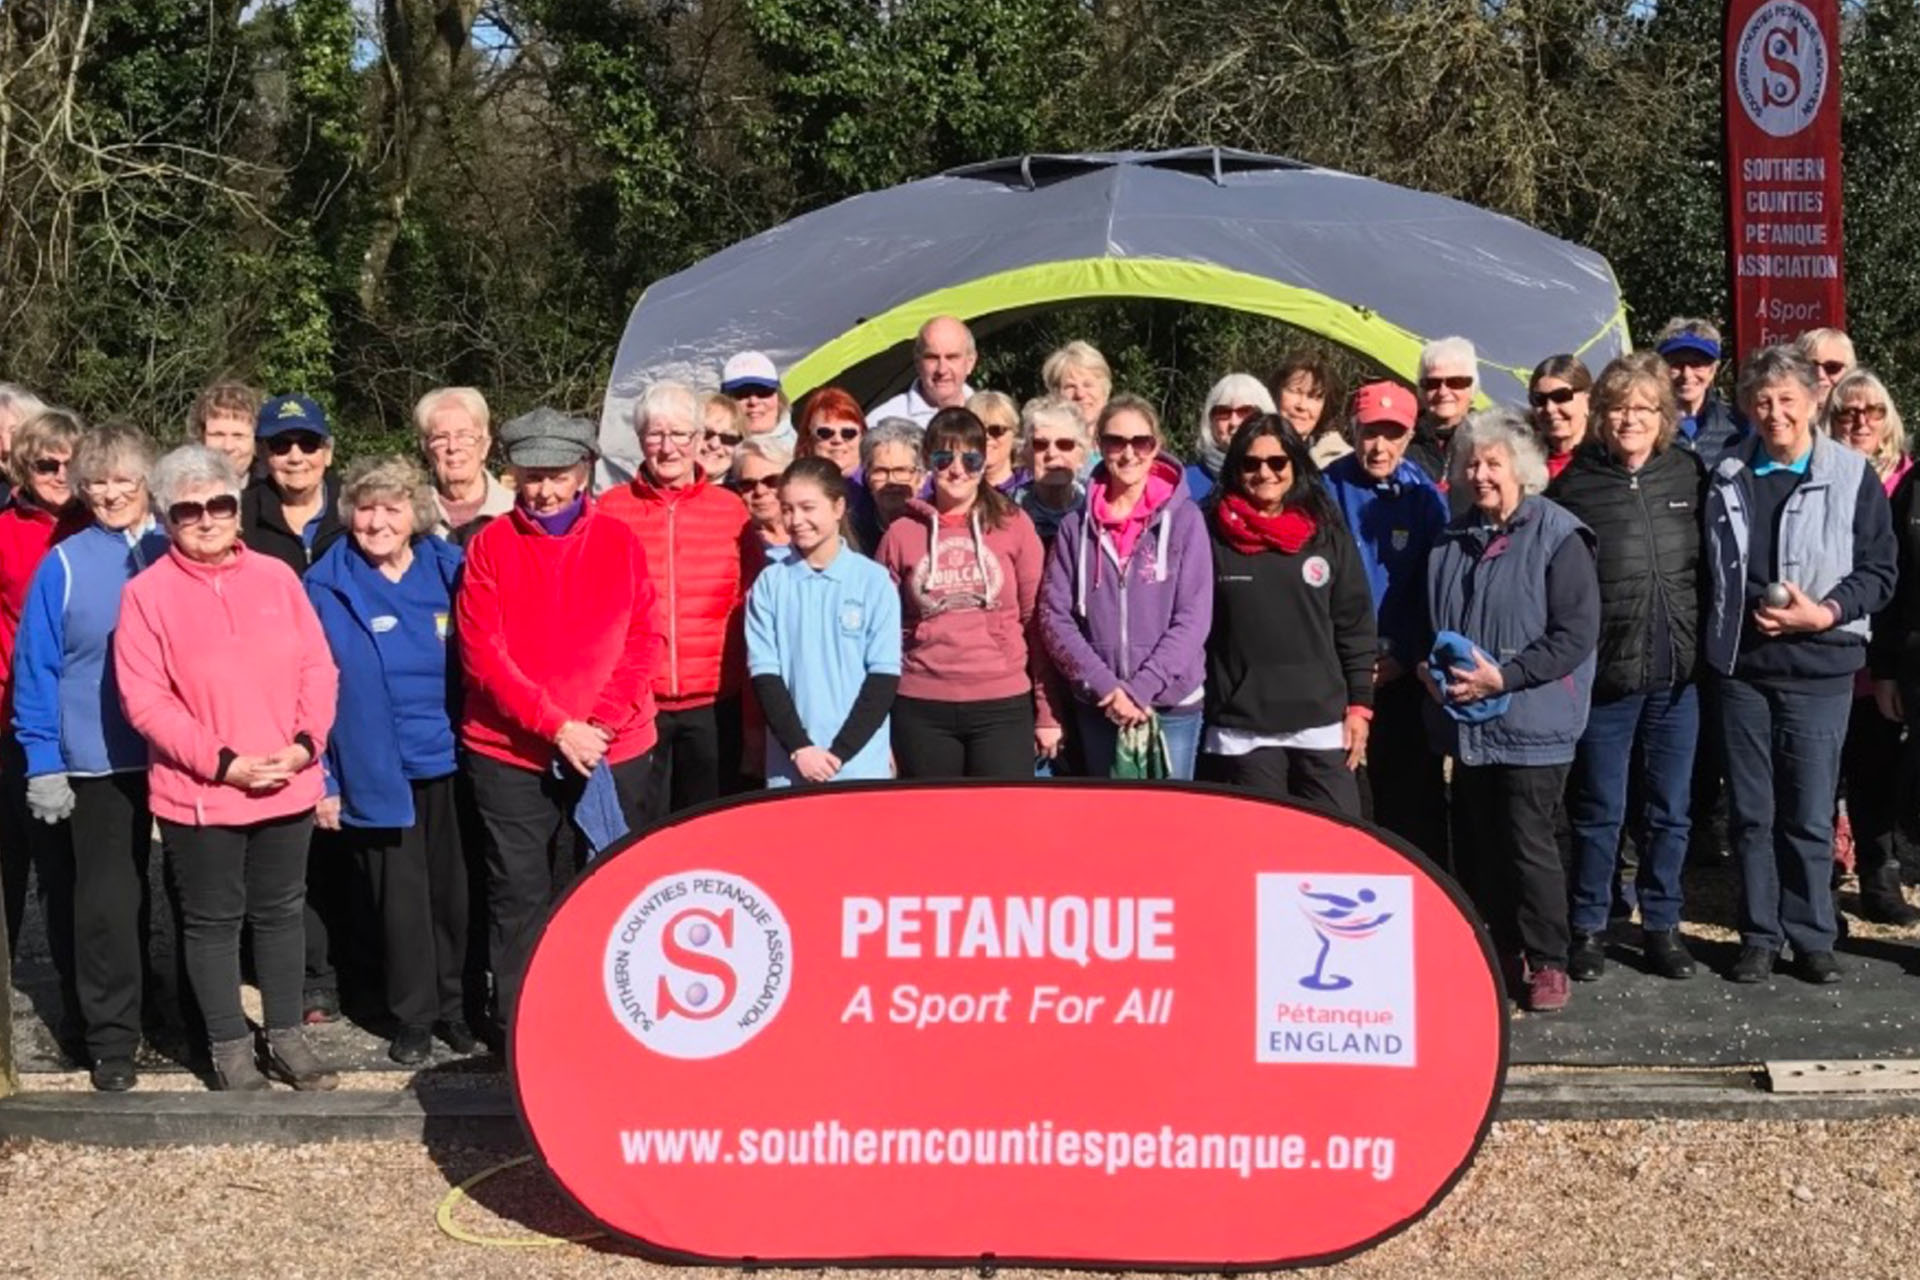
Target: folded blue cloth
[
  {"x": 1451, "y": 650},
  {"x": 598, "y": 814}
]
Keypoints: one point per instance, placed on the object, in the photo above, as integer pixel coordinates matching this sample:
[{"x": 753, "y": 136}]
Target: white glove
[{"x": 50, "y": 798}]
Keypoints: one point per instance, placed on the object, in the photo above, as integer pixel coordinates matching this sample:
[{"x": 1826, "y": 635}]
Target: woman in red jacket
[
  {"x": 691, "y": 529},
  {"x": 43, "y": 510},
  {"x": 555, "y": 624}
]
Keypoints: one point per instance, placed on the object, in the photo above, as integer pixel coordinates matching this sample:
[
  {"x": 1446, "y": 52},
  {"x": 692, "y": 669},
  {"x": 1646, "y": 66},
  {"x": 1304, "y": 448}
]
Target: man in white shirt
[{"x": 945, "y": 356}]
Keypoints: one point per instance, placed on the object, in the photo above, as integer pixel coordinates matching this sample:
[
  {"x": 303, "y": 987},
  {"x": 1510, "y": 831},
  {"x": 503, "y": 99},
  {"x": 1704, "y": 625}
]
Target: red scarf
[{"x": 1249, "y": 532}]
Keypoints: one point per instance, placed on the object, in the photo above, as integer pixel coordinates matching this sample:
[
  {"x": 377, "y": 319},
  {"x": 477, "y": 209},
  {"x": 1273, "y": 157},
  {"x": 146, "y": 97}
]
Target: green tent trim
[{"x": 1165, "y": 279}]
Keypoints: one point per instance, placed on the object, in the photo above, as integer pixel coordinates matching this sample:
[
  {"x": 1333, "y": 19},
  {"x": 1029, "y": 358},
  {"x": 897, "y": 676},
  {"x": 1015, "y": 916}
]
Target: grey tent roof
[{"x": 835, "y": 295}]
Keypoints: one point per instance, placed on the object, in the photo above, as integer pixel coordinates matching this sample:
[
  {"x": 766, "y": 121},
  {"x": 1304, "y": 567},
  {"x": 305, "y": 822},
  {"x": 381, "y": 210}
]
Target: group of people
[{"x": 382, "y": 715}]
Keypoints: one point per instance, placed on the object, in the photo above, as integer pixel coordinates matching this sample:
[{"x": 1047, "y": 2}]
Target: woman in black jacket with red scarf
[{"x": 1290, "y": 656}]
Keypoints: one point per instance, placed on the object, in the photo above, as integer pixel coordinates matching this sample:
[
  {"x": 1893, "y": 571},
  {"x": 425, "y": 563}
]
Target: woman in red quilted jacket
[{"x": 691, "y": 530}]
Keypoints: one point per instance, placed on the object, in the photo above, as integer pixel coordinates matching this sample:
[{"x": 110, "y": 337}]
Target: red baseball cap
[{"x": 1384, "y": 401}]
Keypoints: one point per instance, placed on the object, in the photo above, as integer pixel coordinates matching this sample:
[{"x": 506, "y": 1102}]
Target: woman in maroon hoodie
[{"x": 973, "y": 701}]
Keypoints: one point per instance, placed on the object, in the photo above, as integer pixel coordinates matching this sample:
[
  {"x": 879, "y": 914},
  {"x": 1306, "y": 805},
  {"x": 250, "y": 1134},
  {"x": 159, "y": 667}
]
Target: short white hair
[
  {"x": 1056, "y": 410},
  {"x": 439, "y": 398},
  {"x": 1235, "y": 388},
  {"x": 1499, "y": 429},
  {"x": 191, "y": 466},
  {"x": 669, "y": 400},
  {"x": 1451, "y": 351},
  {"x": 776, "y": 453},
  {"x": 1813, "y": 339},
  {"x": 22, "y": 403}
]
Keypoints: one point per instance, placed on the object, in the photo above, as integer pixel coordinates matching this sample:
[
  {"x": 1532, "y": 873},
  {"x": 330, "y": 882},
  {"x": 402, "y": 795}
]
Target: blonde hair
[
  {"x": 48, "y": 429},
  {"x": 728, "y": 405},
  {"x": 1810, "y": 342},
  {"x": 1892, "y": 445},
  {"x": 995, "y": 405},
  {"x": 392, "y": 475},
  {"x": 440, "y": 398},
  {"x": 1628, "y": 373},
  {"x": 1076, "y": 355}
]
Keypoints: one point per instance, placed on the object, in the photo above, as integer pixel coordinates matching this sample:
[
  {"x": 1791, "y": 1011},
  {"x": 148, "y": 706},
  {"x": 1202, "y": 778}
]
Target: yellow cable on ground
[{"x": 444, "y": 1217}]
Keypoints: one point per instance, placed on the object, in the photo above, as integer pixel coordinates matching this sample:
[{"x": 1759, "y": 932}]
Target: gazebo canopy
[{"x": 836, "y": 295}]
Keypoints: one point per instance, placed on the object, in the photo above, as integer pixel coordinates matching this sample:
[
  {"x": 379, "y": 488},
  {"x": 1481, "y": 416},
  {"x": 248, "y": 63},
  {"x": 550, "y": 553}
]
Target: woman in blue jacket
[
  {"x": 385, "y": 599},
  {"x": 84, "y": 761}
]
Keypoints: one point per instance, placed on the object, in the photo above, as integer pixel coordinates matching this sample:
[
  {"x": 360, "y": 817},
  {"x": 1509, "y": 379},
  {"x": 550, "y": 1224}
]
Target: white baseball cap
[{"x": 749, "y": 371}]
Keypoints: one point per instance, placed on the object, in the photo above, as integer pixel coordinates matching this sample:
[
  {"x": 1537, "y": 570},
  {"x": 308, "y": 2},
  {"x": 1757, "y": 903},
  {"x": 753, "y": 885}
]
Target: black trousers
[
  {"x": 1872, "y": 760},
  {"x": 1507, "y": 859},
  {"x": 112, "y": 837},
  {"x": 417, "y": 879},
  {"x": 534, "y": 851},
  {"x": 1288, "y": 773},
  {"x": 1406, "y": 778},
  {"x": 989, "y": 739},
  {"x": 31, "y": 850},
  {"x": 232, "y": 876},
  {"x": 697, "y": 757}
]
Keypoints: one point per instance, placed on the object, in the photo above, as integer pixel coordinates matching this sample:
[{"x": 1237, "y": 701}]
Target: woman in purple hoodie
[{"x": 1128, "y": 595}]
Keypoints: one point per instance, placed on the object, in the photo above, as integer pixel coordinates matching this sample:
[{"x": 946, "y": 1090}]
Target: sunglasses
[
  {"x": 1458, "y": 382},
  {"x": 49, "y": 466},
  {"x": 974, "y": 463},
  {"x": 220, "y": 507},
  {"x": 1861, "y": 413},
  {"x": 1253, "y": 466},
  {"x": 305, "y": 441},
  {"x": 1833, "y": 368},
  {"x": 768, "y": 484},
  {"x": 997, "y": 432},
  {"x": 1066, "y": 444},
  {"x": 727, "y": 438},
  {"x": 826, "y": 435},
  {"x": 1141, "y": 445},
  {"x": 1559, "y": 395}
]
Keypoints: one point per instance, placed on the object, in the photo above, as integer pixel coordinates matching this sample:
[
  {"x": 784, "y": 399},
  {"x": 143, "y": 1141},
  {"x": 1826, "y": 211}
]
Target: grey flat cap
[{"x": 546, "y": 437}]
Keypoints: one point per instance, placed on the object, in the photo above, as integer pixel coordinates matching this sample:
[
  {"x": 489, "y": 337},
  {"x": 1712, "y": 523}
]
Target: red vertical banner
[{"x": 1783, "y": 168}]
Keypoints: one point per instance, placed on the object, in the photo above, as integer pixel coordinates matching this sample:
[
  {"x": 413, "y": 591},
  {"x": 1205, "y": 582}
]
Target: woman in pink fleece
[
  {"x": 223, "y": 668},
  {"x": 973, "y": 701}
]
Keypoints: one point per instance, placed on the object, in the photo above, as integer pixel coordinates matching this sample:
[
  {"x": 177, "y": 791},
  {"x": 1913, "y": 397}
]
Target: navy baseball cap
[{"x": 291, "y": 413}]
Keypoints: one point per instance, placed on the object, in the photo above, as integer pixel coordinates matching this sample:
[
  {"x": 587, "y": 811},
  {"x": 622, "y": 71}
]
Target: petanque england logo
[
  {"x": 698, "y": 964},
  {"x": 1335, "y": 980},
  {"x": 1780, "y": 67}
]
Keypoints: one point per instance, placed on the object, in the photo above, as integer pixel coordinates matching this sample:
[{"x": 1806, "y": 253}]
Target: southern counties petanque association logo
[
  {"x": 1335, "y": 981},
  {"x": 1780, "y": 67},
  {"x": 698, "y": 964}
]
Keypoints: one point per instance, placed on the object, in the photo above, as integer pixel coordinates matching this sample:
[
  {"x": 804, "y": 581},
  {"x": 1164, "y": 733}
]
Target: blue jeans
[
  {"x": 1099, "y": 739},
  {"x": 1665, "y": 724},
  {"x": 1783, "y": 763}
]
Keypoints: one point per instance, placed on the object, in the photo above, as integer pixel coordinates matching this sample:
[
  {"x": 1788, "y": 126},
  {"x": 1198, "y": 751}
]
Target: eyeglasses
[
  {"x": 1559, "y": 395},
  {"x": 767, "y": 484},
  {"x": 1141, "y": 445},
  {"x": 727, "y": 438},
  {"x": 974, "y": 463},
  {"x": 1223, "y": 412},
  {"x": 1254, "y": 464},
  {"x": 1872, "y": 413},
  {"x": 997, "y": 432},
  {"x": 659, "y": 439},
  {"x": 1832, "y": 368},
  {"x": 1458, "y": 382},
  {"x": 305, "y": 441},
  {"x": 49, "y": 466},
  {"x": 893, "y": 475},
  {"x": 445, "y": 440},
  {"x": 1065, "y": 444},
  {"x": 826, "y": 435},
  {"x": 219, "y": 507},
  {"x": 107, "y": 484}
]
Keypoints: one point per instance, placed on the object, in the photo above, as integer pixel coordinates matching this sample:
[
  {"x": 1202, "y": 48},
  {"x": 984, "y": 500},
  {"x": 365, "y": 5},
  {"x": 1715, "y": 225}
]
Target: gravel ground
[{"x": 1642, "y": 1199}]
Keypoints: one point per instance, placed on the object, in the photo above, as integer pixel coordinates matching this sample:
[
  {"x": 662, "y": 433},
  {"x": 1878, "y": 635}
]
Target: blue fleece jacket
[
  {"x": 1395, "y": 523},
  {"x": 66, "y": 704},
  {"x": 395, "y": 722}
]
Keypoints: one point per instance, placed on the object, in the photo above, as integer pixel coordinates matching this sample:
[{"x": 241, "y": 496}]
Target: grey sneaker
[
  {"x": 234, "y": 1067},
  {"x": 292, "y": 1059}
]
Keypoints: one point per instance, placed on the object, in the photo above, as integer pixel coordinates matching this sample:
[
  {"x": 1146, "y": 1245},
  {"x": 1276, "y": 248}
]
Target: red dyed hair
[{"x": 828, "y": 403}]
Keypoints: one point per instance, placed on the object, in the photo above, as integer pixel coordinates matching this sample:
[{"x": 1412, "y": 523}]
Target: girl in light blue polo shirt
[{"x": 823, "y": 641}]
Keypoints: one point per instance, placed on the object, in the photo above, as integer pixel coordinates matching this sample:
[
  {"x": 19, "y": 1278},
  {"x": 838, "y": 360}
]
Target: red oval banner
[{"x": 1086, "y": 1023}]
